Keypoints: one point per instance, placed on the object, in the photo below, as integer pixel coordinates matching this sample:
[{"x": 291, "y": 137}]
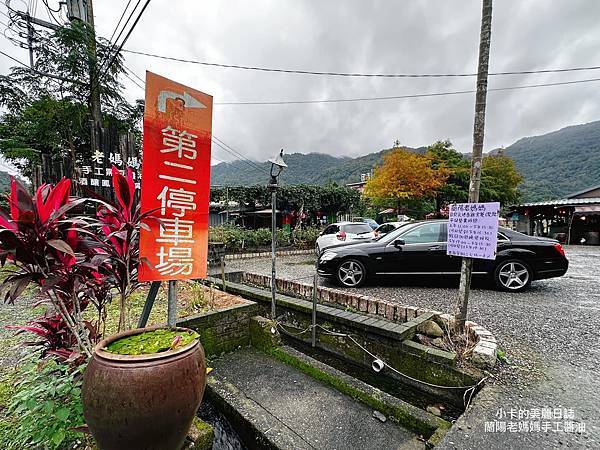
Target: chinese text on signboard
[
  {"x": 175, "y": 181},
  {"x": 473, "y": 230}
]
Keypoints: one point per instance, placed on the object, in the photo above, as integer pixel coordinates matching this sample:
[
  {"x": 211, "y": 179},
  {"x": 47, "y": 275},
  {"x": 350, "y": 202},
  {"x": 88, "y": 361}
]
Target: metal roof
[
  {"x": 565, "y": 202},
  {"x": 575, "y": 194}
]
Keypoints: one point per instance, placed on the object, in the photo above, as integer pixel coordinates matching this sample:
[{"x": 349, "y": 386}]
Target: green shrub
[
  {"x": 237, "y": 238},
  {"x": 306, "y": 237},
  {"x": 45, "y": 408}
]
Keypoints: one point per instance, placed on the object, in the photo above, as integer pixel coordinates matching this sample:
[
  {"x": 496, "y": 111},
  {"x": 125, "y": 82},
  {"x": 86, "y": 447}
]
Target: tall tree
[
  {"x": 499, "y": 180},
  {"x": 404, "y": 176},
  {"x": 46, "y": 109},
  {"x": 444, "y": 156}
]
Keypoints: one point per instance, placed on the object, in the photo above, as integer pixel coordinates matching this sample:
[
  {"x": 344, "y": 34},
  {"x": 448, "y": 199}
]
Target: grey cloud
[{"x": 368, "y": 36}]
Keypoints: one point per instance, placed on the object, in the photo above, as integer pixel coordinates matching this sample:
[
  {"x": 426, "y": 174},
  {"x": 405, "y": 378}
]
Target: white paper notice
[{"x": 473, "y": 230}]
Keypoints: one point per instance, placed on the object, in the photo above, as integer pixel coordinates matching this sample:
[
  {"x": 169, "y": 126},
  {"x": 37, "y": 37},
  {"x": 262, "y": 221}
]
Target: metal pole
[
  {"x": 478, "y": 134},
  {"x": 172, "y": 305},
  {"x": 227, "y": 201},
  {"x": 149, "y": 303},
  {"x": 30, "y": 40},
  {"x": 273, "y": 245},
  {"x": 223, "y": 273},
  {"x": 314, "y": 309}
]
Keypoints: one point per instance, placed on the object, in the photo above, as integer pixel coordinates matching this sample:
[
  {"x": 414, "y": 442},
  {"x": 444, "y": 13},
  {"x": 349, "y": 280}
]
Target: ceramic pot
[{"x": 143, "y": 401}]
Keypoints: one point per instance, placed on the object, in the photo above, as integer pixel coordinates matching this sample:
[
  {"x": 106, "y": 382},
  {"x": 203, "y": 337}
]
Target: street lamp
[{"x": 277, "y": 165}]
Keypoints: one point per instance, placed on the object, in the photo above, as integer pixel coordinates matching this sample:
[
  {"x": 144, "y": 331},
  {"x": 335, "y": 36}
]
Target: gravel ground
[
  {"x": 550, "y": 334},
  {"x": 17, "y": 314}
]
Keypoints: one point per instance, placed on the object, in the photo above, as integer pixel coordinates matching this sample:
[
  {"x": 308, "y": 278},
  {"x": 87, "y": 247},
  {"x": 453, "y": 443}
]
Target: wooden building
[{"x": 574, "y": 219}]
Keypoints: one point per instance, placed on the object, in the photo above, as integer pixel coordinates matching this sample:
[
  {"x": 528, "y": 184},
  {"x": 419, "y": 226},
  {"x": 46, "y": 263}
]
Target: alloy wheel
[
  {"x": 513, "y": 276},
  {"x": 351, "y": 273}
]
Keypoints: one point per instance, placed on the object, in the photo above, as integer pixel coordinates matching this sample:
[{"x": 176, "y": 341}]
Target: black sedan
[{"x": 419, "y": 248}]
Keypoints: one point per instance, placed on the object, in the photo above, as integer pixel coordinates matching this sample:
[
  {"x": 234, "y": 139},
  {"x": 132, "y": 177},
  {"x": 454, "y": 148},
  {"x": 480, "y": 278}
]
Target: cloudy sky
[{"x": 384, "y": 36}]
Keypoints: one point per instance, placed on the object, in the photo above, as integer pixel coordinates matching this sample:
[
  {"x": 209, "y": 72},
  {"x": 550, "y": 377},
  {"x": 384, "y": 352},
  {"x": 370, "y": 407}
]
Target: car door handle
[{"x": 435, "y": 247}]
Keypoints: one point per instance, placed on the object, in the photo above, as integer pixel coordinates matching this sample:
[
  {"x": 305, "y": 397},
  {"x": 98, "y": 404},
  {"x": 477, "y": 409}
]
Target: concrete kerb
[
  {"x": 483, "y": 354},
  {"x": 401, "y": 412},
  {"x": 235, "y": 256}
]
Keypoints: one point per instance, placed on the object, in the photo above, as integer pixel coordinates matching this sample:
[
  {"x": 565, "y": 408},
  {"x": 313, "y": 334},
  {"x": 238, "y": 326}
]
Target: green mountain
[
  {"x": 556, "y": 164},
  {"x": 552, "y": 165},
  {"x": 4, "y": 182},
  {"x": 311, "y": 168}
]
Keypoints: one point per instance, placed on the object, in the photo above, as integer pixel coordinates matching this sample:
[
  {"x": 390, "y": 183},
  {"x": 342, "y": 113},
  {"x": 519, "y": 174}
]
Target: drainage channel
[
  {"x": 226, "y": 437},
  {"x": 378, "y": 380}
]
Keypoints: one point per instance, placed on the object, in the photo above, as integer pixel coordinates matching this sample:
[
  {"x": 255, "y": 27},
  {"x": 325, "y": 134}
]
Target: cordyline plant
[
  {"x": 116, "y": 233},
  {"x": 45, "y": 250},
  {"x": 76, "y": 261}
]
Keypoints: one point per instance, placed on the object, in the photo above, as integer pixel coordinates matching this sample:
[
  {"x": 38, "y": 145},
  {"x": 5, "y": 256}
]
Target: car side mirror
[{"x": 398, "y": 243}]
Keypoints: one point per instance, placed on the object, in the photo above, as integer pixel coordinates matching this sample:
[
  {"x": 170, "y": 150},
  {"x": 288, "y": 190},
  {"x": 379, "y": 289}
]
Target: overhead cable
[{"x": 356, "y": 74}]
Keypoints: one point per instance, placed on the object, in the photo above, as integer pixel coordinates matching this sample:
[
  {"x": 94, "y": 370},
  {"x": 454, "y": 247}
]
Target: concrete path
[
  {"x": 552, "y": 339},
  {"x": 297, "y": 412}
]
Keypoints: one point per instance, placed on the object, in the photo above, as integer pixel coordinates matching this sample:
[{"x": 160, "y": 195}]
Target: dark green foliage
[
  {"x": 556, "y": 164},
  {"x": 444, "y": 156},
  {"x": 238, "y": 238},
  {"x": 44, "y": 115},
  {"x": 331, "y": 198},
  {"x": 46, "y": 407}
]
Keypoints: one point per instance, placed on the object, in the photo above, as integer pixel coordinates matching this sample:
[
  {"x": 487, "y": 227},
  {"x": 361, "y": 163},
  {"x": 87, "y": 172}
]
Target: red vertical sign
[{"x": 175, "y": 181}]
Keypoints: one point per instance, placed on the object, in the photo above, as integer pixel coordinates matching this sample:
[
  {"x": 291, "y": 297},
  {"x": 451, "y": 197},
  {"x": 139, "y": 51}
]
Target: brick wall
[
  {"x": 222, "y": 330},
  {"x": 360, "y": 303}
]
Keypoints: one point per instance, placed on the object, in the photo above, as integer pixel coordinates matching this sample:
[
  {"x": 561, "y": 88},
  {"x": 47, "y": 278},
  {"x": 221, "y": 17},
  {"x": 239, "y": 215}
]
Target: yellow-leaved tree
[{"x": 404, "y": 176}]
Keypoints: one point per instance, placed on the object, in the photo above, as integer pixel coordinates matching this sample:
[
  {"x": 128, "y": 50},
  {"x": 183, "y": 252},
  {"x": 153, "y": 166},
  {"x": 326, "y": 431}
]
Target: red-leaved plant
[
  {"x": 116, "y": 230},
  {"x": 44, "y": 248},
  {"x": 77, "y": 261}
]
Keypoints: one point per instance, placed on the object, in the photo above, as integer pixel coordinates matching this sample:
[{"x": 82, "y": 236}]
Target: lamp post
[{"x": 277, "y": 165}]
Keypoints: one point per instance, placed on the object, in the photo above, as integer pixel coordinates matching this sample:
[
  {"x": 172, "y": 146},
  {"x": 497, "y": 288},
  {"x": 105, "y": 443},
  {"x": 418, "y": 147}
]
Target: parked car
[
  {"x": 386, "y": 228},
  {"x": 372, "y": 223},
  {"x": 419, "y": 248},
  {"x": 342, "y": 233}
]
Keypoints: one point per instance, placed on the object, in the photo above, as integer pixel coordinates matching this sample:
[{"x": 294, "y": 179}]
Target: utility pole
[
  {"x": 95, "y": 110},
  {"x": 30, "y": 40},
  {"x": 476, "y": 159}
]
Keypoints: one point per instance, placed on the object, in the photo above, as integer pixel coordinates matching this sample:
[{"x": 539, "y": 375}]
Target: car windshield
[
  {"x": 357, "y": 228},
  {"x": 392, "y": 235}
]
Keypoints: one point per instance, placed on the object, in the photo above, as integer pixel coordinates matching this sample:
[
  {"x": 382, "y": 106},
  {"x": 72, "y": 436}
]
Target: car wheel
[
  {"x": 512, "y": 275},
  {"x": 351, "y": 273}
]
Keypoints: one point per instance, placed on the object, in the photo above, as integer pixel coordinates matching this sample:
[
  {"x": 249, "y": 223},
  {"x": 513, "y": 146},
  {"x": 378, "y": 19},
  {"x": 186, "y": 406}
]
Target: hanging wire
[{"x": 348, "y": 336}]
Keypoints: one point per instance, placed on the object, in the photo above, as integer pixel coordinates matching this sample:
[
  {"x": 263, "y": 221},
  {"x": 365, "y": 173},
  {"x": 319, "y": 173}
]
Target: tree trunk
[
  {"x": 478, "y": 134},
  {"x": 122, "y": 316}
]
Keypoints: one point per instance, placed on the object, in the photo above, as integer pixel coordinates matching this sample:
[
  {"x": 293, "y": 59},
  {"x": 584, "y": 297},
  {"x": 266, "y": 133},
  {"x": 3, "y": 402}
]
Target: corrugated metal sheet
[{"x": 566, "y": 202}]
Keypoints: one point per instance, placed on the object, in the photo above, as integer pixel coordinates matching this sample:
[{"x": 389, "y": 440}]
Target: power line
[
  {"x": 354, "y": 74},
  {"x": 114, "y": 44},
  {"x": 56, "y": 77},
  {"x": 237, "y": 155},
  {"x": 399, "y": 97},
  {"x": 249, "y": 163},
  {"x": 126, "y": 73},
  {"x": 135, "y": 75},
  {"x": 235, "y": 152},
  {"x": 125, "y": 39},
  {"x": 120, "y": 20}
]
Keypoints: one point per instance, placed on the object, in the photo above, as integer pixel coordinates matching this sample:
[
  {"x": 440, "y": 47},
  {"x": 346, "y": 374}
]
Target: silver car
[{"x": 342, "y": 232}]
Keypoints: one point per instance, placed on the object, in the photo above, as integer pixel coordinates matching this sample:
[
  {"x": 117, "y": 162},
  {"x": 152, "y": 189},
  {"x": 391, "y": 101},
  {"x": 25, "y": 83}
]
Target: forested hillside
[
  {"x": 552, "y": 165},
  {"x": 4, "y": 182},
  {"x": 312, "y": 168},
  {"x": 556, "y": 164}
]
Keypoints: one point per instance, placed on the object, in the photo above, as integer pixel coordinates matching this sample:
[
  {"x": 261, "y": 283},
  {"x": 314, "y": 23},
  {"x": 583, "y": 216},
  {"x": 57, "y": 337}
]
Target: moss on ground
[
  {"x": 202, "y": 434},
  {"x": 7, "y": 390},
  {"x": 396, "y": 413}
]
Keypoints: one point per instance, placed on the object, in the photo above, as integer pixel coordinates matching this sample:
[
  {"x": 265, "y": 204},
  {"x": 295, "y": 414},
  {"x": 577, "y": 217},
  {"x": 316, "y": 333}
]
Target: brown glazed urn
[{"x": 143, "y": 401}]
